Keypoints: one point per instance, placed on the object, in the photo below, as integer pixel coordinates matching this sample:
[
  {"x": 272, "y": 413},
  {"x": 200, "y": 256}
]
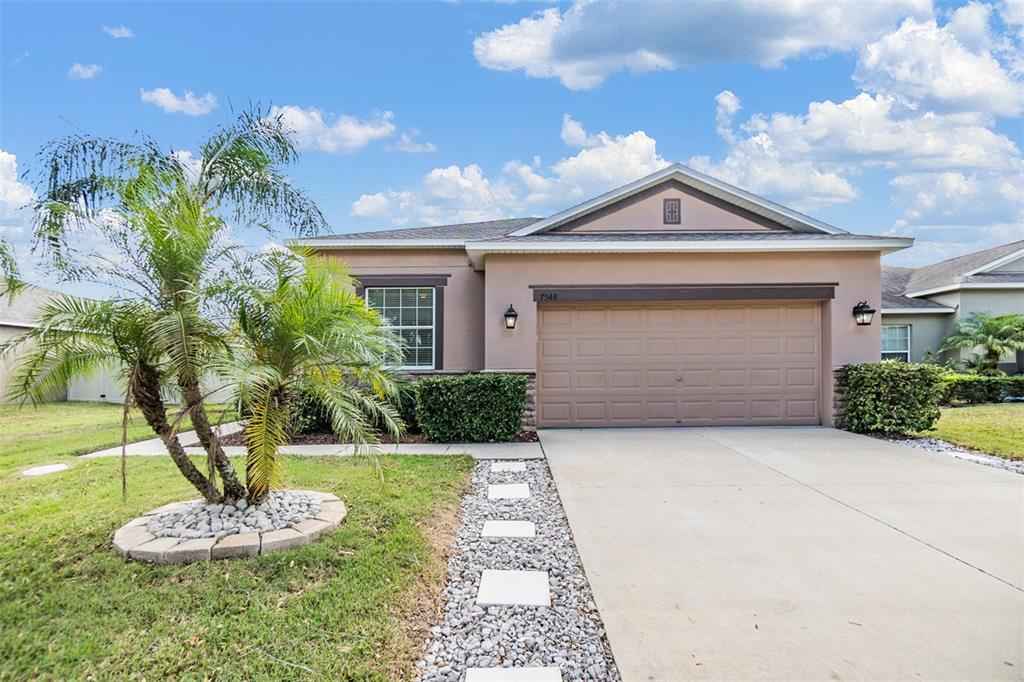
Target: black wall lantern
[
  {"x": 511, "y": 316},
  {"x": 863, "y": 313}
]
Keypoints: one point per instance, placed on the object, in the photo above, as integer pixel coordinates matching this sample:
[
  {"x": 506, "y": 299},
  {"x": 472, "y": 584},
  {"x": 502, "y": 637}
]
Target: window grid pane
[
  {"x": 409, "y": 311},
  {"x": 896, "y": 342}
]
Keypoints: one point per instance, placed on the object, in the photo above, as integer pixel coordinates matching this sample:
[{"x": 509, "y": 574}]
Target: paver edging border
[{"x": 133, "y": 539}]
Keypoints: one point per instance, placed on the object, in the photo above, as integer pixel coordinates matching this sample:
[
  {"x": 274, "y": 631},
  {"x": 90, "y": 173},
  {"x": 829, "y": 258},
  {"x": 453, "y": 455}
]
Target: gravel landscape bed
[
  {"x": 942, "y": 447},
  {"x": 281, "y": 508},
  {"x": 568, "y": 635}
]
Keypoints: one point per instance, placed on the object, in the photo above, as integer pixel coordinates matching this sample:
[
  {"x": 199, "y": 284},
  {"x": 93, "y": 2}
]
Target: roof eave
[
  {"x": 315, "y": 243},
  {"x": 918, "y": 311},
  {"x": 478, "y": 250},
  {"x": 965, "y": 285}
]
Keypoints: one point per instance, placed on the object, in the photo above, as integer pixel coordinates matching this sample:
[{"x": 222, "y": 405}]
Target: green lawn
[
  {"x": 56, "y": 432},
  {"x": 350, "y": 606},
  {"x": 996, "y": 428}
]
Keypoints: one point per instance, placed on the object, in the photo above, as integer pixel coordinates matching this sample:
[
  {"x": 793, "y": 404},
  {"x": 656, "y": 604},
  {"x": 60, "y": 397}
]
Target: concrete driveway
[{"x": 794, "y": 553}]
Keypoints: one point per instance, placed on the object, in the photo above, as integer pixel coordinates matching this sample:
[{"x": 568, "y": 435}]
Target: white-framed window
[
  {"x": 896, "y": 342},
  {"x": 409, "y": 311}
]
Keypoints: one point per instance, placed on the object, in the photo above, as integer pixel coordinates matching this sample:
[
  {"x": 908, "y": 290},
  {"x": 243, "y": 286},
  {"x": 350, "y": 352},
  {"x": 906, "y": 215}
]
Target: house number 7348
[{"x": 544, "y": 296}]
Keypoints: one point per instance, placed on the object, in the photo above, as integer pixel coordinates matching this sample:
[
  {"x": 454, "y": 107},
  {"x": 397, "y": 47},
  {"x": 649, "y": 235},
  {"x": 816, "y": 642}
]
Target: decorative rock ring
[{"x": 135, "y": 540}]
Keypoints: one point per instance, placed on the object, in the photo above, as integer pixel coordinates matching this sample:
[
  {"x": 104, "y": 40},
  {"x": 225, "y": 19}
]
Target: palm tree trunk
[
  {"x": 193, "y": 396},
  {"x": 147, "y": 397}
]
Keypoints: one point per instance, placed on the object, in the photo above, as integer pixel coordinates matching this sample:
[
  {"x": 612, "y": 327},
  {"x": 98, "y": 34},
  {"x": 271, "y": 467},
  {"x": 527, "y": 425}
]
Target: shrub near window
[
  {"x": 979, "y": 388},
  {"x": 890, "y": 397},
  {"x": 471, "y": 408}
]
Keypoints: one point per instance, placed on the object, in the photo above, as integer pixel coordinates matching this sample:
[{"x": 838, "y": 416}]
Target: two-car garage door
[{"x": 672, "y": 364}]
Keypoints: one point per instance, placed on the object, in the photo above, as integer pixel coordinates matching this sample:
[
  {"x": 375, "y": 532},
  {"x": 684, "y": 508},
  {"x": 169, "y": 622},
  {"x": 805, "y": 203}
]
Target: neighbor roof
[
  {"x": 894, "y": 284},
  {"x": 966, "y": 269},
  {"x": 20, "y": 309}
]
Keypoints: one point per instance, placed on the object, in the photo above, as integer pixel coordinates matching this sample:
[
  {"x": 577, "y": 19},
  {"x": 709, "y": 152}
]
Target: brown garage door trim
[{"x": 569, "y": 293}]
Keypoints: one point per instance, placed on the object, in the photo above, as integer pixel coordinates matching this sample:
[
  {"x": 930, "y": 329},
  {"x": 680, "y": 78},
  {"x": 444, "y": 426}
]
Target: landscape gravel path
[{"x": 568, "y": 635}]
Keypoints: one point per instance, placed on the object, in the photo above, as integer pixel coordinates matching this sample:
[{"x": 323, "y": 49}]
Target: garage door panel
[{"x": 679, "y": 364}]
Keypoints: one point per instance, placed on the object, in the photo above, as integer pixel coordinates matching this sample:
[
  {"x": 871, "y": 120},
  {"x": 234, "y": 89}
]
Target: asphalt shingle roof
[
  {"x": 951, "y": 271},
  {"x": 21, "y": 308},
  {"x": 894, "y": 283},
  {"x": 487, "y": 229}
]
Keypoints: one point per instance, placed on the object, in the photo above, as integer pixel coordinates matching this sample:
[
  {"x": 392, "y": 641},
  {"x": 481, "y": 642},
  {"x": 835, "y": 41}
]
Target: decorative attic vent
[{"x": 672, "y": 211}]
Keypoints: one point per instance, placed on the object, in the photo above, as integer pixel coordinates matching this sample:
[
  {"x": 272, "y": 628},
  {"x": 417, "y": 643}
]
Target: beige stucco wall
[
  {"x": 463, "y": 296},
  {"x": 509, "y": 277},
  {"x": 646, "y": 215}
]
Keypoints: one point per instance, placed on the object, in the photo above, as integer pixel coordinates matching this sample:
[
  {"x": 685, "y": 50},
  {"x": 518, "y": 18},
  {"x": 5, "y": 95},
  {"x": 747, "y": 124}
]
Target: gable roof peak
[{"x": 705, "y": 183}]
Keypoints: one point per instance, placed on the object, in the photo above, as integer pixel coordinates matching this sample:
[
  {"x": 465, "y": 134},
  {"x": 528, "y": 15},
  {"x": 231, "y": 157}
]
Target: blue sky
[{"x": 890, "y": 118}]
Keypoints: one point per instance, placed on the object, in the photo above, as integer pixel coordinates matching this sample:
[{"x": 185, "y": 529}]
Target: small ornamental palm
[
  {"x": 76, "y": 337},
  {"x": 995, "y": 336},
  {"x": 160, "y": 219},
  {"x": 307, "y": 330}
]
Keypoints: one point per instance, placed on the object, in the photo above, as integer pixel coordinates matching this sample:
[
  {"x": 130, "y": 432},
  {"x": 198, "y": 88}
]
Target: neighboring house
[
  {"x": 17, "y": 315},
  {"x": 920, "y": 306},
  {"x": 674, "y": 300}
]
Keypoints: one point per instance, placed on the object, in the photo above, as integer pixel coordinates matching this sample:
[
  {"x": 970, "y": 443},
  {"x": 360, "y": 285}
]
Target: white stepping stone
[
  {"x": 513, "y": 675},
  {"x": 514, "y": 588},
  {"x": 509, "y": 529},
  {"x": 508, "y": 491},
  {"x": 508, "y": 467},
  {"x": 45, "y": 469}
]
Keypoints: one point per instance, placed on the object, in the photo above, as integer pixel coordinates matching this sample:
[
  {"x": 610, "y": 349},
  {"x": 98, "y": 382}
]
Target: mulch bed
[{"x": 328, "y": 438}]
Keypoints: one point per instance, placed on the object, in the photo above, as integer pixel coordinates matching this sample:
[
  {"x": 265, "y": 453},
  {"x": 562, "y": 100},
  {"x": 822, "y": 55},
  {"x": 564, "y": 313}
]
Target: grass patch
[
  {"x": 54, "y": 432},
  {"x": 996, "y": 428},
  {"x": 342, "y": 608}
]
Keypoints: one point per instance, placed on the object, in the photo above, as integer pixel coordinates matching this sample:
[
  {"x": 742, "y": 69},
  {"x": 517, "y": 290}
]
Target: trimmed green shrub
[
  {"x": 890, "y": 397},
  {"x": 407, "y": 407},
  {"x": 979, "y": 388},
  {"x": 309, "y": 414},
  {"x": 471, "y": 408}
]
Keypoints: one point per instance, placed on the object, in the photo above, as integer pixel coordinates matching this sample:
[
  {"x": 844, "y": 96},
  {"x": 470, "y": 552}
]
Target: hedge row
[
  {"x": 977, "y": 388},
  {"x": 890, "y": 397},
  {"x": 471, "y": 408}
]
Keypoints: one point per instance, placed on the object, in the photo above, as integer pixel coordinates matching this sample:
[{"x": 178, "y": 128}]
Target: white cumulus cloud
[
  {"x": 313, "y": 129},
  {"x": 453, "y": 194},
  {"x": 584, "y": 44},
  {"x": 118, "y": 31},
  {"x": 84, "y": 72},
  {"x": 408, "y": 144},
  {"x": 933, "y": 69},
  {"x": 189, "y": 104}
]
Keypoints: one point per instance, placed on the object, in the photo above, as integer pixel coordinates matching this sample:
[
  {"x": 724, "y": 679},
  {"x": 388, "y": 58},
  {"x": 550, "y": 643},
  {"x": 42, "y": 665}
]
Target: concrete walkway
[
  {"x": 794, "y": 553},
  {"x": 154, "y": 447}
]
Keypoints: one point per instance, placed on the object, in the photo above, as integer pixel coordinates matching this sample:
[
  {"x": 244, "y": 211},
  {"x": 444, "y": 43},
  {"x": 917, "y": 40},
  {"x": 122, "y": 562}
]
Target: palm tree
[
  {"x": 164, "y": 216},
  {"x": 995, "y": 336},
  {"x": 76, "y": 337},
  {"x": 307, "y": 330}
]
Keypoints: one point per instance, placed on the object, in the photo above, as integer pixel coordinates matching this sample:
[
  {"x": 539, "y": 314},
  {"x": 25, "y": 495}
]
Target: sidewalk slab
[
  {"x": 508, "y": 467},
  {"x": 509, "y": 529},
  {"x": 508, "y": 491},
  {"x": 44, "y": 469},
  {"x": 514, "y": 588},
  {"x": 513, "y": 675}
]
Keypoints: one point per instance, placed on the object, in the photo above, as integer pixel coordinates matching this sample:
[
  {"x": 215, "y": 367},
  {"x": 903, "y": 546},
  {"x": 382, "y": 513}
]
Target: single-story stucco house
[
  {"x": 920, "y": 306},
  {"x": 674, "y": 300}
]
